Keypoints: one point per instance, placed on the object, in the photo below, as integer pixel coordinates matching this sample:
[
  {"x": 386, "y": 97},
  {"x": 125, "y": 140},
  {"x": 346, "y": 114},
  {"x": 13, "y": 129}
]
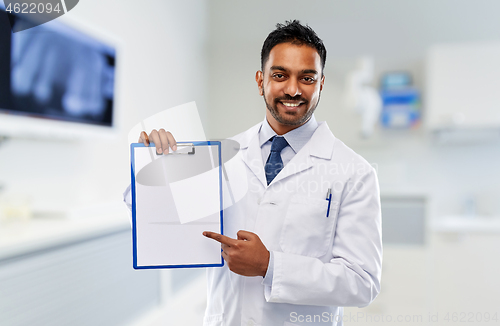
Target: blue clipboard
[{"x": 171, "y": 237}]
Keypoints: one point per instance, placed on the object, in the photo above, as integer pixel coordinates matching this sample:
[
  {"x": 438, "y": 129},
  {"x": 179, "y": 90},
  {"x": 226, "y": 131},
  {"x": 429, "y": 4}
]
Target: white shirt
[{"x": 296, "y": 139}]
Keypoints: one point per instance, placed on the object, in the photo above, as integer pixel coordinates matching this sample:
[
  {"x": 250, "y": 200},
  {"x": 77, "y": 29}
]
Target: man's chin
[
  {"x": 290, "y": 122},
  {"x": 292, "y": 119}
]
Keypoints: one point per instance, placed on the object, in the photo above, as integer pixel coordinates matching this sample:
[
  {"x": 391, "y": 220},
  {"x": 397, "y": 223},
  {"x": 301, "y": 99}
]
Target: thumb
[{"x": 246, "y": 235}]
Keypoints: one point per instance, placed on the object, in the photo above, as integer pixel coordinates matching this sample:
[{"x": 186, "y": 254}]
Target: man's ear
[
  {"x": 322, "y": 83},
  {"x": 259, "y": 78}
]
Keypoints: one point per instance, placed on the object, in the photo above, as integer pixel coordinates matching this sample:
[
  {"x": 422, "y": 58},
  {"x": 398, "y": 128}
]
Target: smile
[{"x": 291, "y": 104}]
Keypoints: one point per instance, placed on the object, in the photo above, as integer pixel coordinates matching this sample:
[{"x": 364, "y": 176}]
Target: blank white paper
[{"x": 171, "y": 216}]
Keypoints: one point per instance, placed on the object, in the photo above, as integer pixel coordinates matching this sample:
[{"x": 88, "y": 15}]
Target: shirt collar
[{"x": 296, "y": 138}]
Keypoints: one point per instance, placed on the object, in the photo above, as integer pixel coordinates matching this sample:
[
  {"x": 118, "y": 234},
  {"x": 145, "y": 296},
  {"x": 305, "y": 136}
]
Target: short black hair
[{"x": 296, "y": 33}]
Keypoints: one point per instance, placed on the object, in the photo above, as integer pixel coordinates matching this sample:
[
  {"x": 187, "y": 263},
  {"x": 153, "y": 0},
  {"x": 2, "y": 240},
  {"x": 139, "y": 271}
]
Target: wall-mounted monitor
[{"x": 56, "y": 79}]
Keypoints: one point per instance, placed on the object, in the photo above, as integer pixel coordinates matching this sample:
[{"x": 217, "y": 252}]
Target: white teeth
[{"x": 291, "y": 104}]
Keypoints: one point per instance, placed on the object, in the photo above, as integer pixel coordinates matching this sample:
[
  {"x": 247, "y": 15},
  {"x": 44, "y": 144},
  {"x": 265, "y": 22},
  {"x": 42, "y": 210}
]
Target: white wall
[{"x": 161, "y": 64}]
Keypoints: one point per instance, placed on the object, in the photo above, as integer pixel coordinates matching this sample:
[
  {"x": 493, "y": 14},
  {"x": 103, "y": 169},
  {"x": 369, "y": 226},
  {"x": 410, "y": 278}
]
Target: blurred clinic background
[{"x": 413, "y": 86}]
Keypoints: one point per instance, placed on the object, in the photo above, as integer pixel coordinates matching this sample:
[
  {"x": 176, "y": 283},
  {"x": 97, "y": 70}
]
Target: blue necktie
[{"x": 274, "y": 162}]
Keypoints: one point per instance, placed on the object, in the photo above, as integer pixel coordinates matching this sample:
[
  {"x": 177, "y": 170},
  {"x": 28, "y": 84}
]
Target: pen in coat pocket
[{"x": 329, "y": 198}]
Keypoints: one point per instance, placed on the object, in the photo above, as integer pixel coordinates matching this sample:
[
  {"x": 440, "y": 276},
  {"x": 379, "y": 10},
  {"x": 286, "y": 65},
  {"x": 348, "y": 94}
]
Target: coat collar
[
  {"x": 320, "y": 145},
  {"x": 245, "y": 138}
]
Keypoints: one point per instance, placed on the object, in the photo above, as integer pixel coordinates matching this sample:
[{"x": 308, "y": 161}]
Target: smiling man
[
  {"x": 291, "y": 81},
  {"x": 306, "y": 239}
]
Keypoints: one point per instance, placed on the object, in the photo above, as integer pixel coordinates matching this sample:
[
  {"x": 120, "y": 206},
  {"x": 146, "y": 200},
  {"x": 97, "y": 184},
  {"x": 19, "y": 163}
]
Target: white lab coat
[{"x": 320, "y": 263}]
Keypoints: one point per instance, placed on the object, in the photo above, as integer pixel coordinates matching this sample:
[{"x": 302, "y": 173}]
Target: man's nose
[{"x": 292, "y": 88}]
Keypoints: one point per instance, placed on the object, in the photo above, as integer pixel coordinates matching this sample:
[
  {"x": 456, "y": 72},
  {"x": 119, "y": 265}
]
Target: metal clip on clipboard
[{"x": 185, "y": 145}]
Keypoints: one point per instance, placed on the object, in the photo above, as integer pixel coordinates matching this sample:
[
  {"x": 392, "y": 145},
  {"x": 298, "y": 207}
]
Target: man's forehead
[{"x": 293, "y": 57}]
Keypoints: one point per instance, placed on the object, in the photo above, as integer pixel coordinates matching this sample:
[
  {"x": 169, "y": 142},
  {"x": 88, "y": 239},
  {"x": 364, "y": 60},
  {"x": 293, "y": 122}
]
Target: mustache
[{"x": 291, "y": 98}]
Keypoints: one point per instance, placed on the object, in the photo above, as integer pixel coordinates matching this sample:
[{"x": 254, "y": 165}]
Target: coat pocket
[
  {"x": 213, "y": 320},
  {"x": 306, "y": 229}
]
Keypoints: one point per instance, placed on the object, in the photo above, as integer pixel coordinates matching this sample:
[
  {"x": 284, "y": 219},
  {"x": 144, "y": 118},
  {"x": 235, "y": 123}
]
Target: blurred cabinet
[
  {"x": 87, "y": 282},
  {"x": 462, "y": 88},
  {"x": 454, "y": 274},
  {"x": 464, "y": 273},
  {"x": 403, "y": 220}
]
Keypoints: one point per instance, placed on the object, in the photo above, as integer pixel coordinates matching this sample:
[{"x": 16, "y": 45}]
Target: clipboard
[{"x": 175, "y": 197}]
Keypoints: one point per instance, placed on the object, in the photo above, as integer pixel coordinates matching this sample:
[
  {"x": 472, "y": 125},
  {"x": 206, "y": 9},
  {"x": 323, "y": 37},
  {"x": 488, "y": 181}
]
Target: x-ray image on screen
[{"x": 58, "y": 73}]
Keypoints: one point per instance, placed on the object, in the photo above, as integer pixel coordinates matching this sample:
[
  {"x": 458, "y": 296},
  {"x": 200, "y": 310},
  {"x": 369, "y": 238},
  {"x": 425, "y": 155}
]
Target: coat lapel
[
  {"x": 252, "y": 154},
  {"x": 320, "y": 145}
]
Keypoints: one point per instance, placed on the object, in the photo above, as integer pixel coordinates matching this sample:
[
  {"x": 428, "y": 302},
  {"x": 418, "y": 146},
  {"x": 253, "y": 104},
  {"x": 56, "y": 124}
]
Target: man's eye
[
  {"x": 278, "y": 76},
  {"x": 308, "y": 79}
]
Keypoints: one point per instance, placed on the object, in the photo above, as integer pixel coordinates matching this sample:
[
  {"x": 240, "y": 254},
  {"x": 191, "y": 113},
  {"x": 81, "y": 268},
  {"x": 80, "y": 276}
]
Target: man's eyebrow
[
  {"x": 305, "y": 71},
  {"x": 278, "y": 68},
  {"x": 309, "y": 71}
]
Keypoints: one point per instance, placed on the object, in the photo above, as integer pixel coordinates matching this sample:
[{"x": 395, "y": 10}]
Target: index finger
[
  {"x": 220, "y": 238},
  {"x": 171, "y": 141}
]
